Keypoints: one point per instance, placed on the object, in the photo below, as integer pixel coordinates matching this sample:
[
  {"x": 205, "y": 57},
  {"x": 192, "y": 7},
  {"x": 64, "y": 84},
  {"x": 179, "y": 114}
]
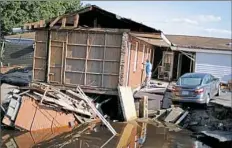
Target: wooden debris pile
[{"x": 41, "y": 106}]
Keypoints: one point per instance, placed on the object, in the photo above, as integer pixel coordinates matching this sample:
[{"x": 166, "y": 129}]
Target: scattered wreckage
[{"x": 41, "y": 106}]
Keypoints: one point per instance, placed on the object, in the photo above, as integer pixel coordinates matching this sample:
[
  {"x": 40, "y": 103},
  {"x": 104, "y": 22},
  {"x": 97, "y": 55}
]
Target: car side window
[{"x": 206, "y": 80}]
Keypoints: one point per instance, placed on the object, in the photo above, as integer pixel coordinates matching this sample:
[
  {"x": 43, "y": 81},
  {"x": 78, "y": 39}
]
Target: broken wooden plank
[
  {"x": 174, "y": 114},
  {"x": 65, "y": 105},
  {"x": 86, "y": 98},
  {"x": 182, "y": 117},
  {"x": 76, "y": 20},
  {"x": 127, "y": 103},
  {"x": 143, "y": 107},
  {"x": 63, "y": 22}
]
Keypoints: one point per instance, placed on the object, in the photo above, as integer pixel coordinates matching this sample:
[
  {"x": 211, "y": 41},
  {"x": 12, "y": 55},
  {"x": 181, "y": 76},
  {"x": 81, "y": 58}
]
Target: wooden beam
[
  {"x": 55, "y": 21},
  {"x": 76, "y": 20},
  {"x": 63, "y": 22}
]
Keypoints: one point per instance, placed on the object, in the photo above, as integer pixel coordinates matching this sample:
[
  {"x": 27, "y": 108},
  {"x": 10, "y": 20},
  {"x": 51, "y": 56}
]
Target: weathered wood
[
  {"x": 182, "y": 117},
  {"x": 95, "y": 110},
  {"x": 63, "y": 22},
  {"x": 55, "y": 21},
  {"x": 76, "y": 20},
  {"x": 143, "y": 107},
  {"x": 127, "y": 103},
  {"x": 173, "y": 115},
  {"x": 65, "y": 105}
]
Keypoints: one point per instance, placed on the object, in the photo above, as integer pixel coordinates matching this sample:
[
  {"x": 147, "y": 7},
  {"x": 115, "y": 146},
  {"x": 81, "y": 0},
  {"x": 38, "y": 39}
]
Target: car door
[
  {"x": 212, "y": 85},
  {"x": 215, "y": 85}
]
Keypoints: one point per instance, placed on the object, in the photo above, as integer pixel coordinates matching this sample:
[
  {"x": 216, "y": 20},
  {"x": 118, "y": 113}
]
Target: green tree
[{"x": 16, "y": 13}]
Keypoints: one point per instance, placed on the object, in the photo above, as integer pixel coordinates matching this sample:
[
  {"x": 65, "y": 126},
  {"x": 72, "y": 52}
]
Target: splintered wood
[{"x": 43, "y": 106}]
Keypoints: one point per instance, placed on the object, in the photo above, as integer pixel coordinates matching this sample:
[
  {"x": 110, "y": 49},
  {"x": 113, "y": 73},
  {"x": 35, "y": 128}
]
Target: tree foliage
[{"x": 16, "y": 13}]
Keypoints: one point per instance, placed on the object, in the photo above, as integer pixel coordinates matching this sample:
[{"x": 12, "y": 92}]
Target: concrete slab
[
  {"x": 174, "y": 114},
  {"x": 225, "y": 99},
  {"x": 127, "y": 103},
  {"x": 5, "y": 89}
]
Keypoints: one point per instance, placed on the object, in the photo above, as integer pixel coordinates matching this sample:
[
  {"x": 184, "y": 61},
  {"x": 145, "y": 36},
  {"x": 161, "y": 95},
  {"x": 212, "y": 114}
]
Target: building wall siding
[
  {"x": 219, "y": 65},
  {"x": 137, "y": 77}
]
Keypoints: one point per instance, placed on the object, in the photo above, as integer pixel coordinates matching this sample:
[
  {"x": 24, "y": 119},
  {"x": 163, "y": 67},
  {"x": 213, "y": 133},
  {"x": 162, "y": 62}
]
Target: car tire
[{"x": 219, "y": 91}]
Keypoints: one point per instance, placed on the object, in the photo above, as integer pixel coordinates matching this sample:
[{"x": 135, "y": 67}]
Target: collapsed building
[{"x": 93, "y": 48}]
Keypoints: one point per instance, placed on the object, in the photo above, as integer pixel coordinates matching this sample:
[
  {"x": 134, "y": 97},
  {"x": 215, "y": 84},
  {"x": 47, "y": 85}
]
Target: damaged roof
[
  {"x": 94, "y": 16},
  {"x": 198, "y": 42},
  {"x": 151, "y": 38}
]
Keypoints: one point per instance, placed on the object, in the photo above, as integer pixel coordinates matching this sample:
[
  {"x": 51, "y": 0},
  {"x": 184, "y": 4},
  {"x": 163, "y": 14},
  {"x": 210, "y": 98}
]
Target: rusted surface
[{"x": 33, "y": 116}]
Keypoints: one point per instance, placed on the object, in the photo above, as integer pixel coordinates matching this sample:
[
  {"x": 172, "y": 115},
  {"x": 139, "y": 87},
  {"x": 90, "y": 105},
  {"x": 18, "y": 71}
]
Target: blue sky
[{"x": 197, "y": 18}]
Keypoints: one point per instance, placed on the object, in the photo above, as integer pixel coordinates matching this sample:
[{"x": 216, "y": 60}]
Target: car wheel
[{"x": 219, "y": 91}]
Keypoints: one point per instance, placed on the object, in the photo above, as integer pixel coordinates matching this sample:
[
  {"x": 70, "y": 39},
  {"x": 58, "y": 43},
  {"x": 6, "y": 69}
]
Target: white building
[{"x": 206, "y": 55}]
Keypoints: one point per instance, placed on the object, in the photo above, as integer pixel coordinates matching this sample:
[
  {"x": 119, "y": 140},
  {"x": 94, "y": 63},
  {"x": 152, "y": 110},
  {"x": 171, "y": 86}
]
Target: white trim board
[{"x": 201, "y": 50}]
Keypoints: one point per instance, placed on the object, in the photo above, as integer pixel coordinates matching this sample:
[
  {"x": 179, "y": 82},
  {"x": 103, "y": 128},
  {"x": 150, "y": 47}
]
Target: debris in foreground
[
  {"x": 222, "y": 136},
  {"x": 42, "y": 106}
]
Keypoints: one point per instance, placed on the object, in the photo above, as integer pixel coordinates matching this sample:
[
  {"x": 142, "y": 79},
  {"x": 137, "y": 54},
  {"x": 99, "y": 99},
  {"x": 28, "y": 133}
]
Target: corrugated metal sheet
[{"x": 219, "y": 65}]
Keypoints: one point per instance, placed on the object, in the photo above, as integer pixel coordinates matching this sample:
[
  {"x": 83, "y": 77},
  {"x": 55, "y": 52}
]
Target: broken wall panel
[
  {"x": 40, "y": 116},
  {"x": 40, "y": 55}
]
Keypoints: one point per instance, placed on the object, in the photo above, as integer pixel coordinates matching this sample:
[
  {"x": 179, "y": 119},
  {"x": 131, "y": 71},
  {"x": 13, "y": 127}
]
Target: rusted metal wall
[
  {"x": 136, "y": 75},
  {"x": 40, "y": 55}
]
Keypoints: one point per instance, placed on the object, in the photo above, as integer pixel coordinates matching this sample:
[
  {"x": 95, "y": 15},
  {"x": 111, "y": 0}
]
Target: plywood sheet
[
  {"x": 112, "y": 53},
  {"x": 76, "y": 51},
  {"x": 77, "y": 37},
  {"x": 111, "y": 67},
  {"x": 113, "y": 40},
  {"x": 74, "y": 78},
  {"x": 94, "y": 66},
  {"x": 93, "y": 80},
  {"x": 110, "y": 81},
  {"x": 96, "y": 53},
  {"x": 127, "y": 103}
]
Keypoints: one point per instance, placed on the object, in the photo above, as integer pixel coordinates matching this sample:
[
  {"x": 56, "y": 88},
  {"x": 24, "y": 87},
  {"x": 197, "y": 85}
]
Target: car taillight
[{"x": 199, "y": 91}]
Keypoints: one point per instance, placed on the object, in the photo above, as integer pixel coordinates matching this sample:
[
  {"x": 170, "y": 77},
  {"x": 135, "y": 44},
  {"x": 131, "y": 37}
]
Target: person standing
[{"x": 148, "y": 73}]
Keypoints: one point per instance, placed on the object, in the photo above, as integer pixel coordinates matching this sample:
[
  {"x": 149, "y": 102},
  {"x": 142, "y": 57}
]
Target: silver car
[{"x": 196, "y": 87}]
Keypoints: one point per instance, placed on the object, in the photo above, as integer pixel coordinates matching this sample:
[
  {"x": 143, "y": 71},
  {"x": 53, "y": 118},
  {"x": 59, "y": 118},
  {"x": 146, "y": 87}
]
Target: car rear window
[{"x": 189, "y": 81}]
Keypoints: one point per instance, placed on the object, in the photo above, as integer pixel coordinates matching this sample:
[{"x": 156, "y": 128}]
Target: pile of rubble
[{"x": 41, "y": 106}]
